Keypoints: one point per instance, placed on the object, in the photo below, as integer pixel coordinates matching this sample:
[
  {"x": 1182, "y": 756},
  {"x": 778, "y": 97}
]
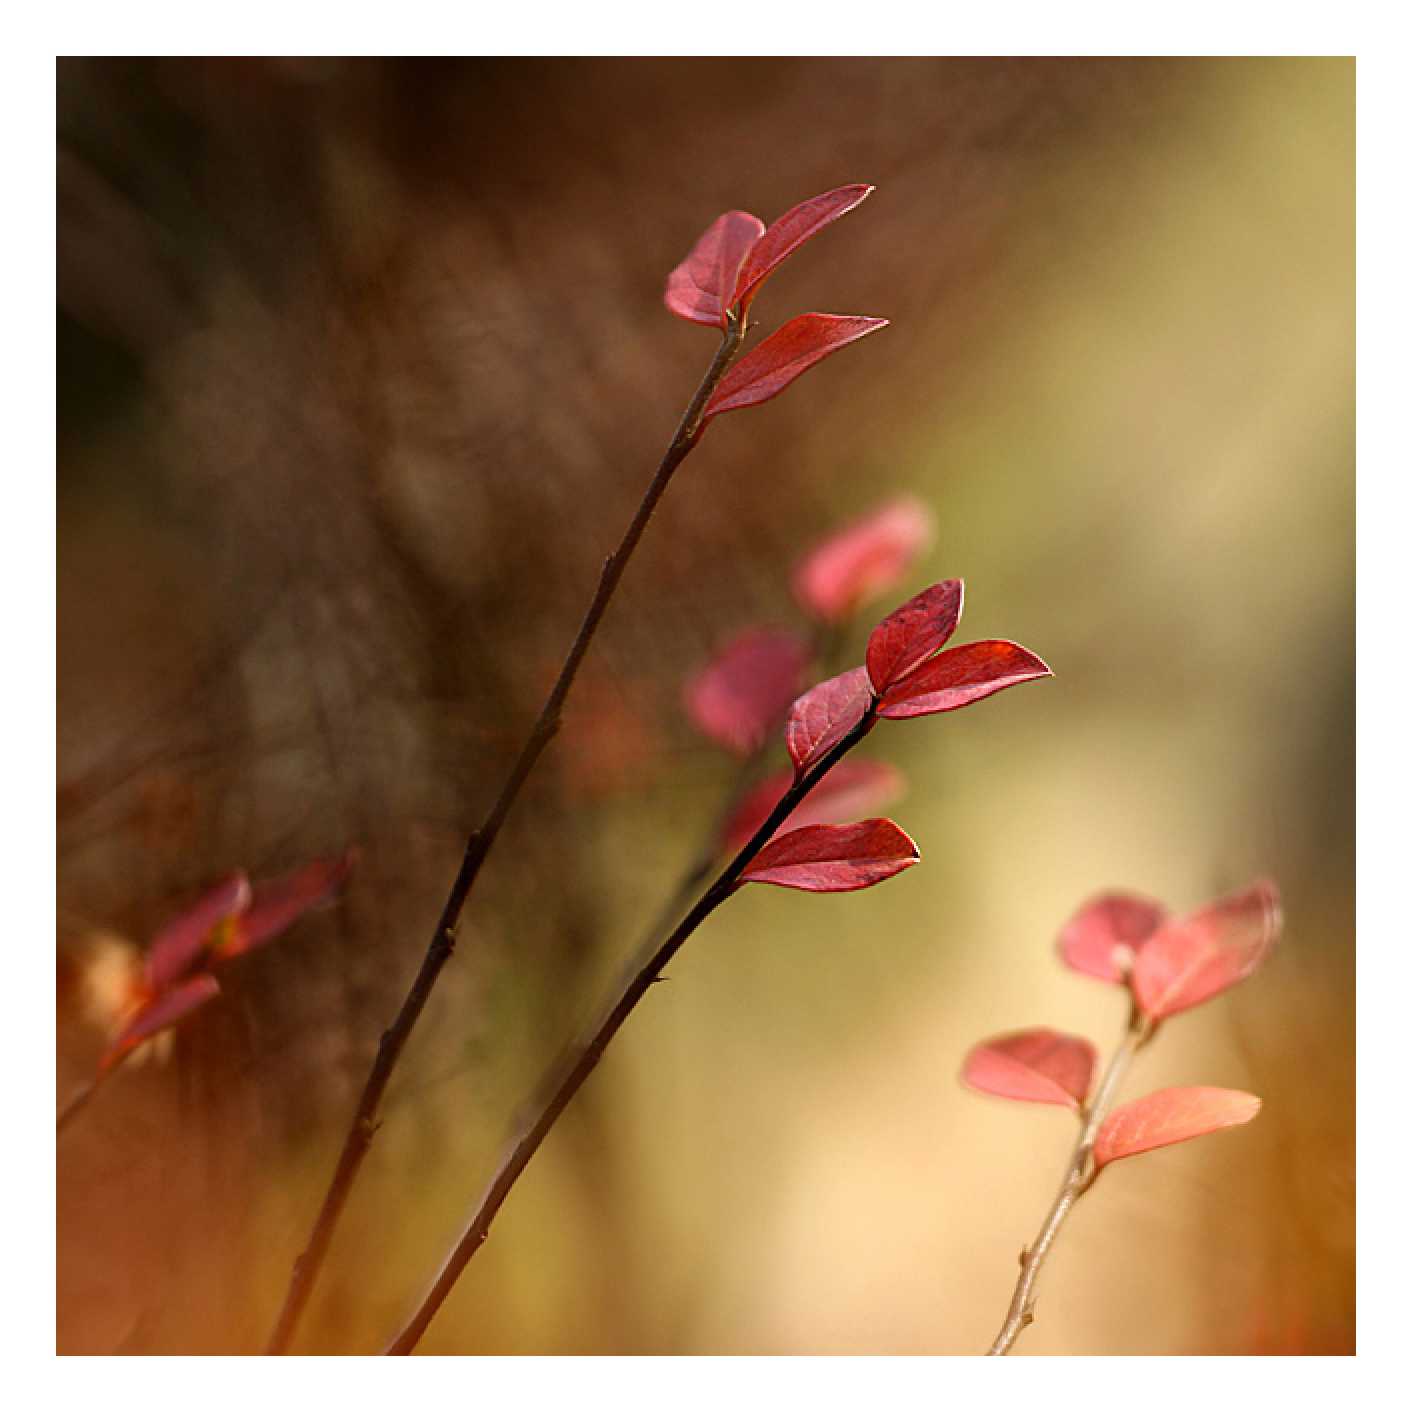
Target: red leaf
[
  {"x": 174, "y": 1005},
  {"x": 862, "y": 560},
  {"x": 960, "y": 677},
  {"x": 790, "y": 232},
  {"x": 739, "y": 698},
  {"x": 775, "y": 363},
  {"x": 913, "y": 633},
  {"x": 1044, "y": 1066},
  {"x": 834, "y": 859},
  {"x": 1170, "y": 1117},
  {"x": 181, "y": 943},
  {"x": 852, "y": 789},
  {"x": 701, "y": 288},
  {"x": 824, "y": 716},
  {"x": 1102, "y": 937},
  {"x": 1193, "y": 959},
  {"x": 279, "y": 903}
]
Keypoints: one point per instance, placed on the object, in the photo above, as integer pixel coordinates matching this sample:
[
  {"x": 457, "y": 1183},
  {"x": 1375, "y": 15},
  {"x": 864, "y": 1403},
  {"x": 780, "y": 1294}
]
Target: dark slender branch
[
  {"x": 564, "y": 1082},
  {"x": 365, "y": 1120},
  {"x": 1079, "y": 1175}
]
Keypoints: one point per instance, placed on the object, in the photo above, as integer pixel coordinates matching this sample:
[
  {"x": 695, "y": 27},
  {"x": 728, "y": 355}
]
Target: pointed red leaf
[
  {"x": 834, "y": 859},
  {"x": 174, "y": 1005},
  {"x": 913, "y": 633},
  {"x": 1041, "y": 1065},
  {"x": 176, "y": 949},
  {"x": 1190, "y": 960},
  {"x": 1103, "y": 936},
  {"x": 960, "y": 677},
  {"x": 862, "y": 560},
  {"x": 775, "y": 363},
  {"x": 824, "y": 716},
  {"x": 1170, "y": 1117},
  {"x": 786, "y": 235},
  {"x": 852, "y": 789},
  {"x": 740, "y": 697},
  {"x": 280, "y": 902},
  {"x": 702, "y": 288}
]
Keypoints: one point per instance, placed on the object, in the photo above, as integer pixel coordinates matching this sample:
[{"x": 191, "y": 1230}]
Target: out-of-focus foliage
[{"x": 361, "y": 368}]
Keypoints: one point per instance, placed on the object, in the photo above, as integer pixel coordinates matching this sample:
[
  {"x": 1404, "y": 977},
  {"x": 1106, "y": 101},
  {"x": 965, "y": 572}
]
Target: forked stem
[{"x": 365, "y": 1120}]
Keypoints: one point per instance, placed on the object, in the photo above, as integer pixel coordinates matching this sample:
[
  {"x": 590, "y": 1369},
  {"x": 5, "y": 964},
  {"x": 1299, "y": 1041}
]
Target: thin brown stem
[
  {"x": 564, "y": 1082},
  {"x": 478, "y": 846},
  {"x": 77, "y": 1101},
  {"x": 1079, "y": 1175}
]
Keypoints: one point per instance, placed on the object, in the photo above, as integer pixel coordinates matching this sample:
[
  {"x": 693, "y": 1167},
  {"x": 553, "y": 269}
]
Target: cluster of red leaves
[
  {"x": 724, "y": 272},
  {"x": 742, "y": 696},
  {"x": 1169, "y": 965},
  {"x": 229, "y": 920},
  {"x": 906, "y": 674}
]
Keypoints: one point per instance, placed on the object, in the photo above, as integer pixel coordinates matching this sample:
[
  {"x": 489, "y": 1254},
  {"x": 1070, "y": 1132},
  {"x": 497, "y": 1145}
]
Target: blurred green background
[{"x": 362, "y": 367}]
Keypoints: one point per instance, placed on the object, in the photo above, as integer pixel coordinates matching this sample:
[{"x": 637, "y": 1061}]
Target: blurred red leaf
[
  {"x": 824, "y": 716},
  {"x": 1190, "y": 960},
  {"x": 785, "y": 236},
  {"x": 174, "y": 1005},
  {"x": 913, "y": 633},
  {"x": 834, "y": 859},
  {"x": 852, "y": 789},
  {"x": 1170, "y": 1117},
  {"x": 1101, "y": 939},
  {"x": 739, "y": 698},
  {"x": 775, "y": 363},
  {"x": 862, "y": 560},
  {"x": 178, "y": 946},
  {"x": 703, "y": 287},
  {"x": 961, "y": 676},
  {"x": 1040, "y": 1065},
  {"x": 280, "y": 902}
]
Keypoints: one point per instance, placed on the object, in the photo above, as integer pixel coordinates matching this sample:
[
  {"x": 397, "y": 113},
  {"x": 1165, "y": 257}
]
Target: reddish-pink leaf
[
  {"x": 1170, "y": 1117},
  {"x": 1102, "y": 937},
  {"x": 790, "y": 232},
  {"x": 852, "y": 789},
  {"x": 177, "y": 948},
  {"x": 1190, "y": 960},
  {"x": 740, "y": 697},
  {"x": 913, "y": 633},
  {"x": 775, "y": 363},
  {"x": 172, "y": 1006},
  {"x": 862, "y": 560},
  {"x": 834, "y": 859},
  {"x": 824, "y": 716},
  {"x": 960, "y": 677},
  {"x": 279, "y": 903},
  {"x": 702, "y": 288},
  {"x": 1044, "y": 1066}
]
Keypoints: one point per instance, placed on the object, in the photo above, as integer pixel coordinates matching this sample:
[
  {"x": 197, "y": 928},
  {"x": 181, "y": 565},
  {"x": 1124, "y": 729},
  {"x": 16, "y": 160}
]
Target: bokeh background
[{"x": 363, "y": 365}]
